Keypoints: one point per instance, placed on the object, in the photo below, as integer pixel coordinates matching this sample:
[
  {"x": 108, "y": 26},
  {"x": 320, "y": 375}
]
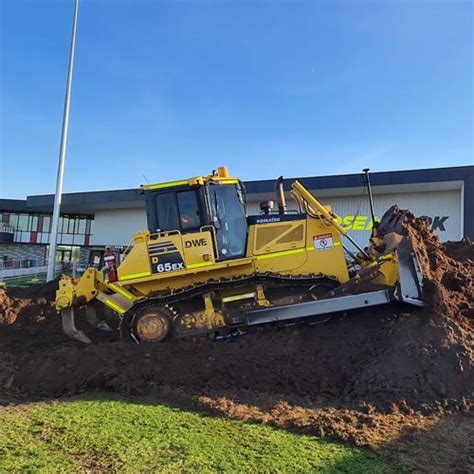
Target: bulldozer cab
[{"x": 215, "y": 203}]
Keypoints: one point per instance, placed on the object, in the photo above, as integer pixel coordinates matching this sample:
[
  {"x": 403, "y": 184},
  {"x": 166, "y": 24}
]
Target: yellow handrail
[
  {"x": 302, "y": 192},
  {"x": 303, "y": 195}
]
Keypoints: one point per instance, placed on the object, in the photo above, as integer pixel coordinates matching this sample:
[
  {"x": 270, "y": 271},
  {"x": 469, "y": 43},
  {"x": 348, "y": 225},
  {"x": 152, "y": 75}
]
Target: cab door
[{"x": 228, "y": 215}]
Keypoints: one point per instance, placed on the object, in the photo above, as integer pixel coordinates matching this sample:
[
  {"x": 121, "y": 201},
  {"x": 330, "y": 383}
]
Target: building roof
[
  {"x": 13, "y": 205},
  {"x": 89, "y": 202},
  {"x": 385, "y": 181},
  {"x": 384, "y": 178}
]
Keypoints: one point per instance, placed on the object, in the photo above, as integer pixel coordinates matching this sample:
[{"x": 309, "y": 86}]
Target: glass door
[{"x": 229, "y": 219}]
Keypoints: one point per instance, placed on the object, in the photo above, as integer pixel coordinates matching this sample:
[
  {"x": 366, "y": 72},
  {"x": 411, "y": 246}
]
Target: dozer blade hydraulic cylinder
[{"x": 69, "y": 327}]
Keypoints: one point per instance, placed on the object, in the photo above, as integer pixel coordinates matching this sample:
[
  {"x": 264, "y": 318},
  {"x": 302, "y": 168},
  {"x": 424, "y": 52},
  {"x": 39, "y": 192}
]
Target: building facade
[
  {"x": 90, "y": 221},
  {"x": 25, "y": 233}
]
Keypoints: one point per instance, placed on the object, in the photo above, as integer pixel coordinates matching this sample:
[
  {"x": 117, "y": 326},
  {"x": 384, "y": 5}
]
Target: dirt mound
[
  {"x": 462, "y": 251},
  {"x": 347, "y": 372},
  {"x": 429, "y": 355},
  {"x": 9, "y": 308},
  {"x": 27, "y": 306},
  {"x": 448, "y": 271},
  {"x": 34, "y": 292}
]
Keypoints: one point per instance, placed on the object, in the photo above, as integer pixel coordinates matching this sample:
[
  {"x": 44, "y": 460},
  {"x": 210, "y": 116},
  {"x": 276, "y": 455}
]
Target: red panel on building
[
  {"x": 6, "y": 218},
  {"x": 33, "y": 237},
  {"x": 87, "y": 238}
]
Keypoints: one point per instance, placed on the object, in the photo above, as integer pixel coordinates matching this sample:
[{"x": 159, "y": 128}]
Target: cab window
[
  {"x": 178, "y": 211},
  {"x": 167, "y": 211},
  {"x": 230, "y": 220},
  {"x": 188, "y": 210}
]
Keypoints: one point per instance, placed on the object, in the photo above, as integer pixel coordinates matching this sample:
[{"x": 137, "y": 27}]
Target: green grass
[
  {"x": 26, "y": 280},
  {"x": 119, "y": 435}
]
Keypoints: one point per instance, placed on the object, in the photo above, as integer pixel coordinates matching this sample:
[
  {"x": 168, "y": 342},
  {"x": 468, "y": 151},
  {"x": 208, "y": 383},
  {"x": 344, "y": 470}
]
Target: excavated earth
[{"x": 397, "y": 379}]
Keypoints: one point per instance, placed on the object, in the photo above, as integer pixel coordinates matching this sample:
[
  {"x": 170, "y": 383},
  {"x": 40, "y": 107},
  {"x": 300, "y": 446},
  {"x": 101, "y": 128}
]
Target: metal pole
[
  {"x": 369, "y": 190},
  {"x": 62, "y": 153}
]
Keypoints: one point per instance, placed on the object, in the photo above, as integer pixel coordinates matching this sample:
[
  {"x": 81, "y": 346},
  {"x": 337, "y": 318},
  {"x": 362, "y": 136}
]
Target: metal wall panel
[
  {"x": 66, "y": 239},
  {"x": 116, "y": 227}
]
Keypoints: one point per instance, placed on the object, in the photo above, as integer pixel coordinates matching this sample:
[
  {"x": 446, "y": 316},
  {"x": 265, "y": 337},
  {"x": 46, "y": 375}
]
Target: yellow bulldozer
[{"x": 204, "y": 266}]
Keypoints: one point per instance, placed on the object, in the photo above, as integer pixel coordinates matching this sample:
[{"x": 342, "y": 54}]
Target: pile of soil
[
  {"x": 462, "y": 251},
  {"x": 430, "y": 354},
  {"x": 9, "y": 308},
  {"x": 31, "y": 303},
  {"x": 366, "y": 376}
]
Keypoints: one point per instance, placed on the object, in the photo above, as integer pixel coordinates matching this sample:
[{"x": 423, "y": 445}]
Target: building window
[
  {"x": 71, "y": 225},
  {"x": 46, "y": 224},
  {"x": 14, "y": 220},
  {"x": 82, "y": 226},
  {"x": 42, "y": 223},
  {"x": 34, "y": 223},
  {"x": 23, "y": 221}
]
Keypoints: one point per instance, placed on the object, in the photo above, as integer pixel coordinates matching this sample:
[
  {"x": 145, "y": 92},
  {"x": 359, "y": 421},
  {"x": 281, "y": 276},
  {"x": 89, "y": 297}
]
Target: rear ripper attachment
[{"x": 205, "y": 266}]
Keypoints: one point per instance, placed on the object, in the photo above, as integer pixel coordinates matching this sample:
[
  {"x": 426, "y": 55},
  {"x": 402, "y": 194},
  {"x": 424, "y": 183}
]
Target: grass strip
[{"x": 130, "y": 435}]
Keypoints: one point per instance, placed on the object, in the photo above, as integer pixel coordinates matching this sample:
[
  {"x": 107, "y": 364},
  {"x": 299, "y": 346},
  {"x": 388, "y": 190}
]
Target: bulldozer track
[
  {"x": 187, "y": 293},
  {"x": 218, "y": 285}
]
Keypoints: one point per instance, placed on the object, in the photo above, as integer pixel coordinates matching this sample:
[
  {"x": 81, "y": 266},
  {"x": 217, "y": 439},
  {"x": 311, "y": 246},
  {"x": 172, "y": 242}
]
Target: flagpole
[{"x": 62, "y": 153}]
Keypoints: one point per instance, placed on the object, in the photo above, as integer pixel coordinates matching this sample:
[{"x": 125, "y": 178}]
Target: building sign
[
  {"x": 361, "y": 223},
  {"x": 356, "y": 222}
]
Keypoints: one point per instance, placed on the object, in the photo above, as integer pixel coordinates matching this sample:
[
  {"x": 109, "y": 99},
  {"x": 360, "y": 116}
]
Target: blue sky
[{"x": 171, "y": 89}]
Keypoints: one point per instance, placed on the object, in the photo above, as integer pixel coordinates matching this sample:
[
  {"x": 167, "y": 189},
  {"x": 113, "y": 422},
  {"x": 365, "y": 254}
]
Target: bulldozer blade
[
  {"x": 410, "y": 289},
  {"x": 69, "y": 327},
  {"x": 392, "y": 221}
]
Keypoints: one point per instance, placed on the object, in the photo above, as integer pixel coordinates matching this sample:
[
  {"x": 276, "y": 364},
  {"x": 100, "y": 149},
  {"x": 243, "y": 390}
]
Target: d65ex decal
[{"x": 168, "y": 262}]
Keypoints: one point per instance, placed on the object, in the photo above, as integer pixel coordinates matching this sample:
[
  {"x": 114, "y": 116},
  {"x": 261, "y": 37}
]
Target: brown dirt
[
  {"x": 390, "y": 378},
  {"x": 29, "y": 302},
  {"x": 10, "y": 307},
  {"x": 462, "y": 251}
]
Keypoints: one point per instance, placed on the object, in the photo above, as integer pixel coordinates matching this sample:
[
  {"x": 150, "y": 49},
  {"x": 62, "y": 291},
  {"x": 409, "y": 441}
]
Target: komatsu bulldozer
[{"x": 204, "y": 266}]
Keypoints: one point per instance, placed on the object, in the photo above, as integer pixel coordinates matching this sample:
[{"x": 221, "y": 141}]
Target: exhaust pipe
[
  {"x": 371, "y": 197},
  {"x": 280, "y": 195}
]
